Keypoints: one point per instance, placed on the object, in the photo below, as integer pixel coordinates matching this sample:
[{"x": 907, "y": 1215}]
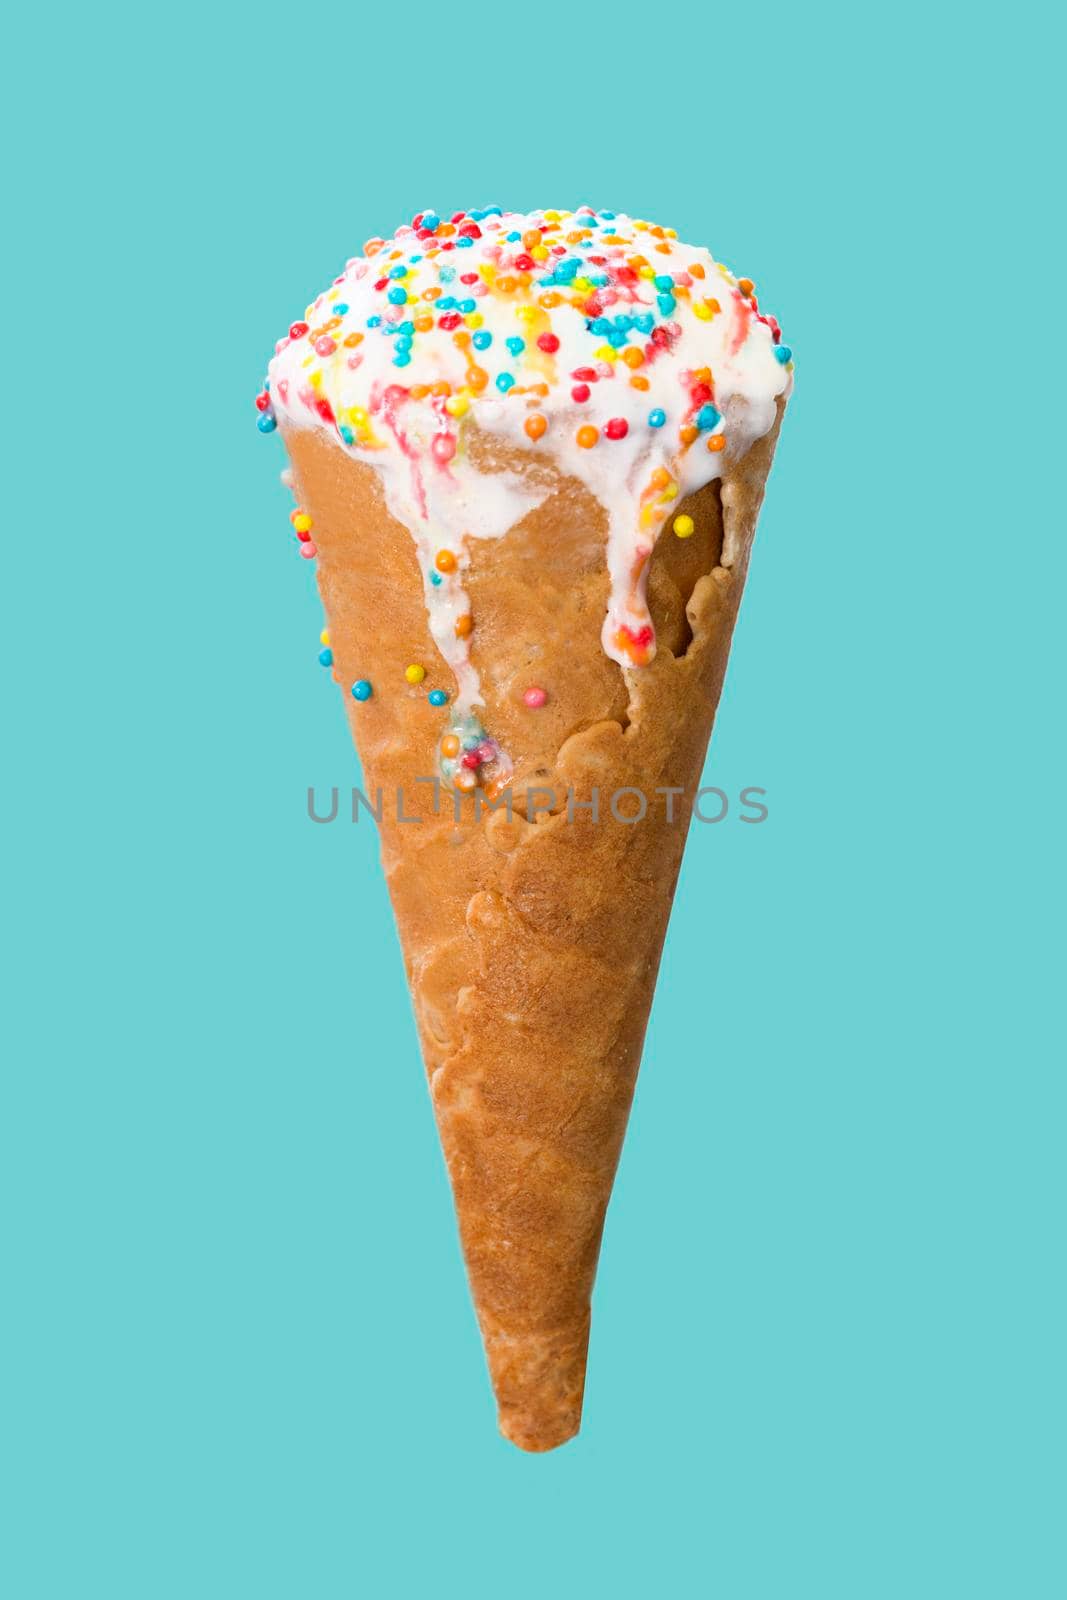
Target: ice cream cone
[
  {"x": 530, "y": 730},
  {"x": 532, "y": 947}
]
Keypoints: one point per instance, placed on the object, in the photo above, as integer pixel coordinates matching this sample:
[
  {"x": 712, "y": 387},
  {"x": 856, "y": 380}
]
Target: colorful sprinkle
[
  {"x": 361, "y": 689},
  {"x": 534, "y": 697},
  {"x": 415, "y": 673},
  {"x": 587, "y": 436},
  {"x": 684, "y": 527},
  {"x": 326, "y": 657},
  {"x": 437, "y": 697}
]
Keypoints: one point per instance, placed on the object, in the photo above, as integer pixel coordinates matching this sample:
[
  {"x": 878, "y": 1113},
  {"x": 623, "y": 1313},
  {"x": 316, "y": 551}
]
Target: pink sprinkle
[
  {"x": 444, "y": 448},
  {"x": 472, "y": 760},
  {"x": 308, "y": 550},
  {"x": 535, "y": 698}
]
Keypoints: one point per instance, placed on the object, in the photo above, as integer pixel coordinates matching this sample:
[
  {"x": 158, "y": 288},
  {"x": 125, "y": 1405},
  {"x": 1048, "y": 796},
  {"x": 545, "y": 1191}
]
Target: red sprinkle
[
  {"x": 262, "y": 400},
  {"x": 524, "y": 263},
  {"x": 547, "y": 342},
  {"x": 450, "y": 320},
  {"x": 468, "y": 277},
  {"x": 617, "y": 428},
  {"x": 324, "y": 409},
  {"x": 580, "y": 392},
  {"x": 534, "y": 697},
  {"x": 700, "y": 394},
  {"x": 472, "y": 760},
  {"x": 585, "y": 374},
  {"x": 298, "y": 330}
]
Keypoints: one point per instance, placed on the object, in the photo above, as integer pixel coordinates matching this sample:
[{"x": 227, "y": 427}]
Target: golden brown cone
[{"x": 532, "y": 946}]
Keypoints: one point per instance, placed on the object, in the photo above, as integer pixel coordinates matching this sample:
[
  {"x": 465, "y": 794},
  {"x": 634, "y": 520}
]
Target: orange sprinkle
[
  {"x": 532, "y": 238},
  {"x": 549, "y": 299},
  {"x": 638, "y": 381},
  {"x": 431, "y": 294},
  {"x": 713, "y": 305},
  {"x": 633, "y": 356},
  {"x": 687, "y": 433},
  {"x": 587, "y": 436},
  {"x": 696, "y": 270},
  {"x": 657, "y": 232},
  {"x": 445, "y": 561},
  {"x": 660, "y": 478},
  {"x": 352, "y": 339},
  {"x": 702, "y": 375},
  {"x": 418, "y": 391},
  {"x": 506, "y": 284},
  {"x": 449, "y": 746},
  {"x": 441, "y": 389},
  {"x": 535, "y": 426},
  {"x": 664, "y": 249},
  {"x": 464, "y": 626},
  {"x": 717, "y": 442},
  {"x": 745, "y": 285},
  {"x": 477, "y": 378}
]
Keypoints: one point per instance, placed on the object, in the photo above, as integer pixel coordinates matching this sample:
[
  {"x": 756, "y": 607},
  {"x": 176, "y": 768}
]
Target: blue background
[{"x": 828, "y": 1331}]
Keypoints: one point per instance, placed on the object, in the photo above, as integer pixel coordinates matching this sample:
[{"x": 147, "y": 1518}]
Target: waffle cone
[{"x": 532, "y": 946}]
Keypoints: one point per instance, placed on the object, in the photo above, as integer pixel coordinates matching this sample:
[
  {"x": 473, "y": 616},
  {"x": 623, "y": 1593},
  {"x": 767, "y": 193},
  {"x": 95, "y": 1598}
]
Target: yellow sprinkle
[
  {"x": 315, "y": 380},
  {"x": 457, "y": 405},
  {"x": 302, "y": 522},
  {"x": 357, "y": 417},
  {"x": 324, "y": 636},
  {"x": 702, "y": 310},
  {"x": 526, "y": 313},
  {"x": 606, "y": 352},
  {"x": 553, "y": 216},
  {"x": 474, "y": 319},
  {"x": 414, "y": 673},
  {"x": 646, "y": 272},
  {"x": 539, "y": 252},
  {"x": 582, "y": 284},
  {"x": 684, "y": 527}
]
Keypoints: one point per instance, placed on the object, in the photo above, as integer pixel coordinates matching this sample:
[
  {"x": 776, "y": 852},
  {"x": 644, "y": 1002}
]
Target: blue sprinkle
[
  {"x": 397, "y": 296},
  {"x": 266, "y": 422},
  {"x": 493, "y": 211},
  {"x": 346, "y": 433},
  {"x": 645, "y": 322},
  {"x": 617, "y": 338},
  {"x": 431, "y": 221},
  {"x": 666, "y": 303},
  {"x": 512, "y": 237},
  {"x": 438, "y": 697},
  {"x": 326, "y": 657},
  {"x": 361, "y": 690},
  {"x": 466, "y": 306},
  {"x": 656, "y": 418},
  {"x": 624, "y": 322},
  {"x": 402, "y": 360},
  {"x": 600, "y": 325},
  {"x": 504, "y": 382},
  {"x": 446, "y": 274},
  {"x": 464, "y": 243},
  {"x": 706, "y": 418},
  {"x": 435, "y": 579},
  {"x": 447, "y": 302},
  {"x": 399, "y": 271},
  {"x": 340, "y": 309},
  {"x": 476, "y": 216},
  {"x": 664, "y": 281},
  {"x": 516, "y": 345},
  {"x": 598, "y": 278},
  {"x": 782, "y": 353},
  {"x": 414, "y": 260},
  {"x": 609, "y": 216},
  {"x": 403, "y": 341},
  {"x": 482, "y": 340},
  {"x": 374, "y": 322},
  {"x": 405, "y": 327}
]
